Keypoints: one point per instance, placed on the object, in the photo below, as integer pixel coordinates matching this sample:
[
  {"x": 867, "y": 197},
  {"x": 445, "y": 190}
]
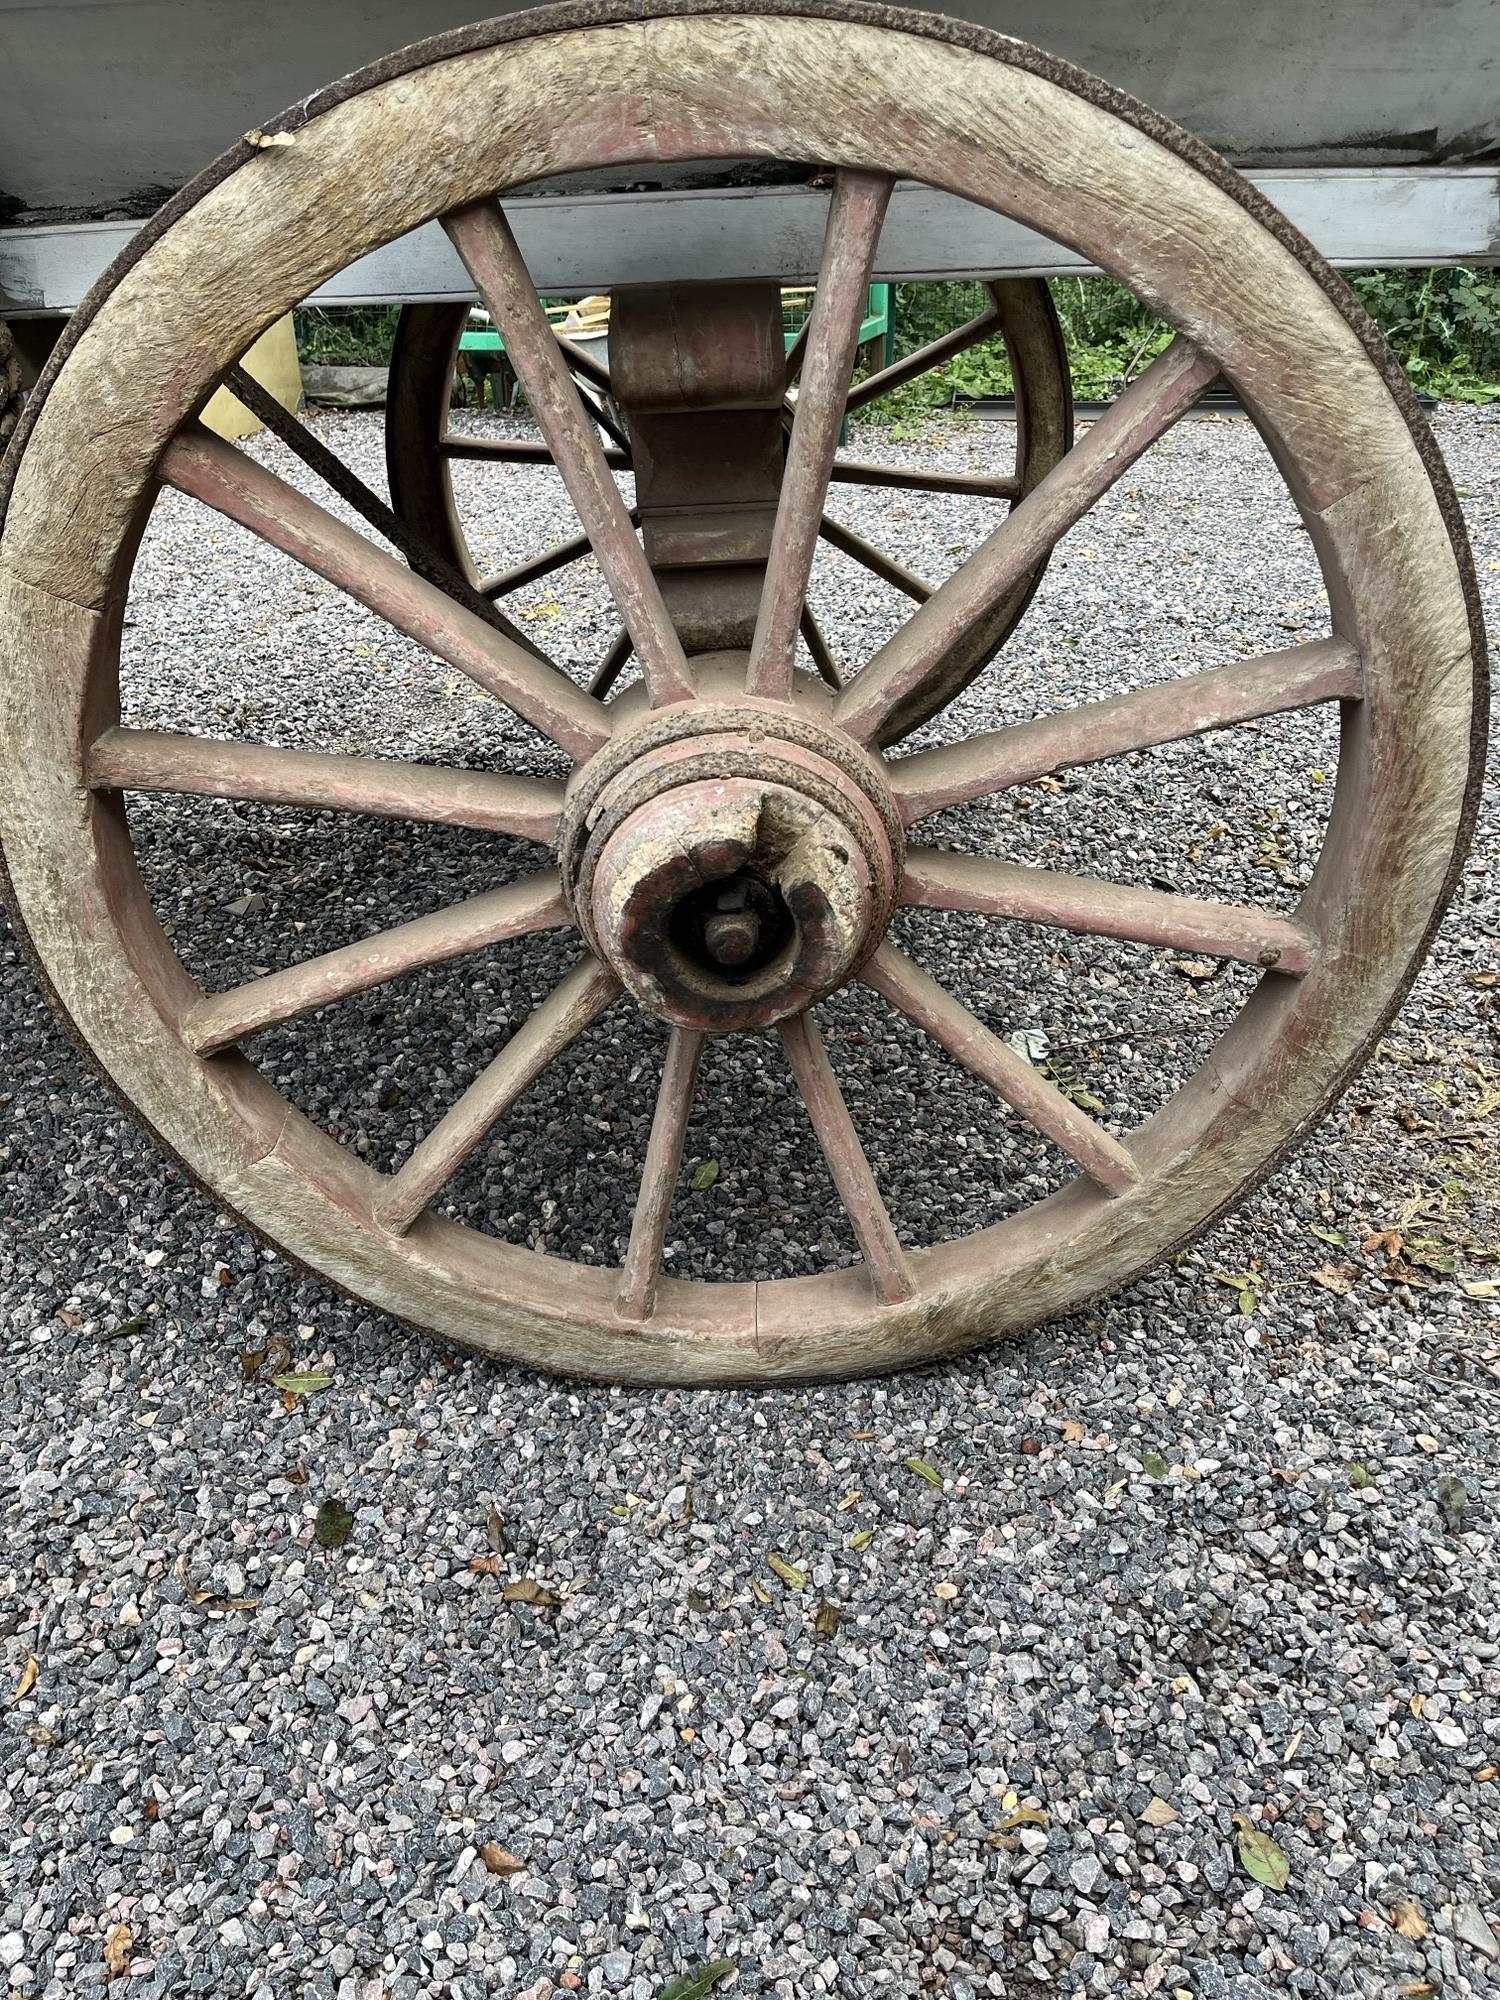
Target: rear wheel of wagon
[
  {"x": 422, "y": 448},
  {"x": 725, "y": 844},
  {"x": 10, "y": 384}
]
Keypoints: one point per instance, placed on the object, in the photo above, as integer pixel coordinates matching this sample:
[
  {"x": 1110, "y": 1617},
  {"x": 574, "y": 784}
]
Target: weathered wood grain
[
  {"x": 936, "y": 880},
  {"x": 855, "y": 214},
  {"x": 1322, "y": 670},
  {"x": 235, "y": 485},
  {"x": 535, "y": 904},
  {"x": 150, "y": 760}
]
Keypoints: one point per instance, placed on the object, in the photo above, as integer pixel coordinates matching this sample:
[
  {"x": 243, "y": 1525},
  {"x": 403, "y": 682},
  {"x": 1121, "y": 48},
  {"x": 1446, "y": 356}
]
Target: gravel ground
[{"x": 1054, "y": 1628}]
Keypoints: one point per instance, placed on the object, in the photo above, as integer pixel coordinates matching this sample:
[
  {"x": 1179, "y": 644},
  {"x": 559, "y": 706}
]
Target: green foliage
[
  {"x": 345, "y": 336},
  {"x": 1443, "y": 324}
]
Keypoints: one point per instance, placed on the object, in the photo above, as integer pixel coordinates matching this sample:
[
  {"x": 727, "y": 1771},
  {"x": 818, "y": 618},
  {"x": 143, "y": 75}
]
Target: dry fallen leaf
[
  {"x": 117, "y": 1950},
  {"x": 1196, "y": 968},
  {"x": 486, "y": 1565},
  {"x": 1340, "y": 1278},
  {"x": 526, "y": 1590},
  {"x": 826, "y": 1624},
  {"x": 1022, "y": 1816},
  {"x": 261, "y": 140},
  {"x": 27, "y": 1681},
  {"x": 1073, "y": 1431},
  {"x": 791, "y": 1576},
  {"x": 1159, "y": 1813},
  {"x": 499, "y": 1860},
  {"x": 1408, "y": 1920},
  {"x": 1390, "y": 1242}
]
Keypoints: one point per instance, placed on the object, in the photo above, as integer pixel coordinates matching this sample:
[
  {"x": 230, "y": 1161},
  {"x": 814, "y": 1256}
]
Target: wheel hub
[{"x": 732, "y": 866}]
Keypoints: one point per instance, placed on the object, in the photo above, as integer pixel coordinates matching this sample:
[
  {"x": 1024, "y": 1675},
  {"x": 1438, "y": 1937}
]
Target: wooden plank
[
  {"x": 1357, "y": 217},
  {"x": 483, "y": 238},
  {"x": 151, "y": 760},
  {"x": 980, "y": 485},
  {"x": 514, "y": 451},
  {"x": 935, "y": 880},
  {"x": 852, "y": 1176},
  {"x": 1324, "y": 670},
  {"x": 897, "y": 575},
  {"x": 663, "y": 1164}
]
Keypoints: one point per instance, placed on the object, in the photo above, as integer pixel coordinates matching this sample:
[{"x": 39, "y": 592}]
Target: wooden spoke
[
  {"x": 148, "y": 760},
  {"x": 912, "y": 992},
  {"x": 796, "y": 354},
  {"x": 612, "y": 665},
  {"x": 583, "y": 363},
  {"x": 936, "y": 880},
  {"x": 855, "y": 214},
  {"x": 483, "y": 239},
  {"x": 889, "y": 1271},
  {"x": 1324, "y": 670},
  {"x": 557, "y": 557},
  {"x": 674, "y": 1104},
  {"x": 933, "y": 355},
  {"x": 981, "y": 485},
  {"x": 331, "y": 469},
  {"x": 535, "y": 904},
  {"x": 214, "y": 472},
  {"x": 562, "y": 1017},
  {"x": 598, "y": 409},
  {"x": 1146, "y": 410},
  {"x": 885, "y": 567},
  {"x": 822, "y": 653},
  {"x": 514, "y": 451}
]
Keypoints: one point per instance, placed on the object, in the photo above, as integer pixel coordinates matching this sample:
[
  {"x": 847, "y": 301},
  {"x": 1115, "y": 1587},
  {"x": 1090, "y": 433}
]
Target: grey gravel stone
[{"x": 687, "y": 1770}]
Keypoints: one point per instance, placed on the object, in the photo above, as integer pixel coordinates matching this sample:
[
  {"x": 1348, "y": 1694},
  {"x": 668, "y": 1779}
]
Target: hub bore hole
[{"x": 734, "y": 928}]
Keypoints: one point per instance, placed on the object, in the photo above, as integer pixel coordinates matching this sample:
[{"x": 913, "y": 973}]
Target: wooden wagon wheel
[
  {"x": 737, "y": 775},
  {"x": 421, "y": 449}
]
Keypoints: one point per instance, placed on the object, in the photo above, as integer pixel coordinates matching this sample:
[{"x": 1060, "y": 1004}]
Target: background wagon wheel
[
  {"x": 731, "y": 846},
  {"x": 420, "y": 450},
  {"x": 10, "y": 384}
]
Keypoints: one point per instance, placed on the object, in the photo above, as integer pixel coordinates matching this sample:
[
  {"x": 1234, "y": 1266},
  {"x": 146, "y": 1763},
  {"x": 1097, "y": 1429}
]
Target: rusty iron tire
[
  {"x": 899, "y": 94},
  {"x": 424, "y": 355}
]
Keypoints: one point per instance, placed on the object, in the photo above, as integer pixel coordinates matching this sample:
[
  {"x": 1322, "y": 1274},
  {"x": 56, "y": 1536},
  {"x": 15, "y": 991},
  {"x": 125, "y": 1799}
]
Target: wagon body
[
  {"x": 1373, "y": 124},
  {"x": 103, "y": 106}
]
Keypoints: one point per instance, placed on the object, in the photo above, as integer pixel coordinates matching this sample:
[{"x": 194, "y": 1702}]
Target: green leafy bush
[{"x": 1443, "y": 324}]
